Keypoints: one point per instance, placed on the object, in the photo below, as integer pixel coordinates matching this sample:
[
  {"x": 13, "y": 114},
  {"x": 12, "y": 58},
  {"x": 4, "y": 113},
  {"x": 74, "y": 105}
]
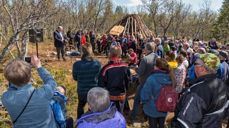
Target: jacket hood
[{"x": 97, "y": 117}]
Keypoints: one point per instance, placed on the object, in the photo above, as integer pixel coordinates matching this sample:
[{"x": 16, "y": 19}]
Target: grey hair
[
  {"x": 98, "y": 99},
  {"x": 150, "y": 46}
]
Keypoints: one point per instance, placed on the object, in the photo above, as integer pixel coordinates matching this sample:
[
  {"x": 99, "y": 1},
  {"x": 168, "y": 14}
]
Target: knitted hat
[{"x": 210, "y": 60}]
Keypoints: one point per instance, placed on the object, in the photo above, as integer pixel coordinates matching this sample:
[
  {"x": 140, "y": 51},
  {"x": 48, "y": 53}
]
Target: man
[
  {"x": 59, "y": 42},
  {"x": 159, "y": 48},
  {"x": 27, "y": 106},
  {"x": 115, "y": 77},
  {"x": 103, "y": 114},
  {"x": 145, "y": 68},
  {"x": 204, "y": 104},
  {"x": 223, "y": 70}
]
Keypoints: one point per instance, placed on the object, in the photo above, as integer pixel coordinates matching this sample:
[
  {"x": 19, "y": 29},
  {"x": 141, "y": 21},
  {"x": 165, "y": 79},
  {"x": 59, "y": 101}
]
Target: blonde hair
[
  {"x": 18, "y": 72},
  {"x": 87, "y": 52}
]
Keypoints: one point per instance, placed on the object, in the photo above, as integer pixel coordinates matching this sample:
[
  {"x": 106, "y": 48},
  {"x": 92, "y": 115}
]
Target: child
[{"x": 58, "y": 105}]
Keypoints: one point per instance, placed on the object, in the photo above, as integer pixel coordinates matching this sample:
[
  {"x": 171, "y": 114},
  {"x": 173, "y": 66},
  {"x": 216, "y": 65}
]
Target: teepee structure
[{"x": 130, "y": 24}]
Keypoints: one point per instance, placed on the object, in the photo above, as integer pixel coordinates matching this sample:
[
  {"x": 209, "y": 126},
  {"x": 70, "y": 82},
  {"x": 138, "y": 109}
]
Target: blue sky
[{"x": 196, "y": 4}]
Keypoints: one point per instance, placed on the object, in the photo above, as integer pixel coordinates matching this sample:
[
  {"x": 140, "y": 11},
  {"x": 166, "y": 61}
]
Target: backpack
[{"x": 167, "y": 99}]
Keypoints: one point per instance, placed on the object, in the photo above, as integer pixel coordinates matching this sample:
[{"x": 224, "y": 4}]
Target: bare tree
[{"x": 22, "y": 16}]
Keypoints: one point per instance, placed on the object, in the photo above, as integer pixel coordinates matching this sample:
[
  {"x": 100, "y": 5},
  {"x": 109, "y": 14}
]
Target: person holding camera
[{"x": 27, "y": 106}]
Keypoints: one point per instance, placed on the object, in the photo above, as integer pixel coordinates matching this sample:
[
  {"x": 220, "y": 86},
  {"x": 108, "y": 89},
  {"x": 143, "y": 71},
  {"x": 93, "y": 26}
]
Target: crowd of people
[{"x": 197, "y": 71}]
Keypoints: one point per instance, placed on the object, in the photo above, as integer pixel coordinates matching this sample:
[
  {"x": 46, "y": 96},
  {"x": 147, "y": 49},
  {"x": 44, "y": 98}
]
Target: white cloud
[
  {"x": 128, "y": 3},
  {"x": 134, "y": 2}
]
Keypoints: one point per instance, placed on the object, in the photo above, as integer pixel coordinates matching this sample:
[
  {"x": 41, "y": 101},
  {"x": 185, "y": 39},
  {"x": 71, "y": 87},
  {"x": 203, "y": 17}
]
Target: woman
[
  {"x": 159, "y": 78},
  {"x": 29, "y": 107},
  {"x": 180, "y": 74},
  {"x": 85, "y": 72}
]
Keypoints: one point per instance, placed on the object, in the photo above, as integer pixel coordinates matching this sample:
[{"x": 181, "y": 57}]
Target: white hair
[{"x": 98, "y": 99}]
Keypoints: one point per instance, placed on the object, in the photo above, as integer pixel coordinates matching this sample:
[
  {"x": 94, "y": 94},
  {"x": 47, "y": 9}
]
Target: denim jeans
[
  {"x": 137, "y": 100},
  {"x": 82, "y": 100}
]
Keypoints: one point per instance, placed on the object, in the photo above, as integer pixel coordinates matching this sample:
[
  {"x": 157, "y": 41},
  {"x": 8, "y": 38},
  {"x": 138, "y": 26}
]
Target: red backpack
[{"x": 167, "y": 99}]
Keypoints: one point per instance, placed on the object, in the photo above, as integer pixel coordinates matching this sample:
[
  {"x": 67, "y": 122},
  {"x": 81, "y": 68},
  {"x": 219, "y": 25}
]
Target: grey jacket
[
  {"x": 146, "y": 67},
  {"x": 38, "y": 113}
]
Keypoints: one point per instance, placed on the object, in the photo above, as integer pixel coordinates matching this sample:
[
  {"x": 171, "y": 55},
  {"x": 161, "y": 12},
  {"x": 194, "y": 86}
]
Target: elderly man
[
  {"x": 103, "y": 114},
  {"x": 145, "y": 68},
  {"x": 59, "y": 42},
  {"x": 27, "y": 106},
  {"x": 204, "y": 104}
]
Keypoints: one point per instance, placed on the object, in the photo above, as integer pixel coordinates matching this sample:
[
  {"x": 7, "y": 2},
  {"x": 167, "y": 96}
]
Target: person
[
  {"x": 92, "y": 40},
  {"x": 83, "y": 39},
  {"x": 212, "y": 44},
  {"x": 59, "y": 42},
  {"x": 159, "y": 48},
  {"x": 171, "y": 58},
  {"x": 77, "y": 40},
  {"x": 203, "y": 104},
  {"x": 180, "y": 74},
  {"x": 133, "y": 58},
  {"x": 103, "y": 113},
  {"x": 58, "y": 105},
  {"x": 70, "y": 36},
  {"x": 159, "y": 78},
  {"x": 145, "y": 68},
  {"x": 223, "y": 70},
  {"x": 27, "y": 106},
  {"x": 115, "y": 77},
  {"x": 85, "y": 72}
]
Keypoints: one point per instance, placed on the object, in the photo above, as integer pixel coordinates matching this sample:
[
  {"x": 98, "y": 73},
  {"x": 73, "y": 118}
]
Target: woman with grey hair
[{"x": 103, "y": 114}]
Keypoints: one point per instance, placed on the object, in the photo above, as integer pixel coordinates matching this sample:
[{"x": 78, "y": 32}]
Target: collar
[
  {"x": 203, "y": 78},
  {"x": 23, "y": 87},
  {"x": 115, "y": 60}
]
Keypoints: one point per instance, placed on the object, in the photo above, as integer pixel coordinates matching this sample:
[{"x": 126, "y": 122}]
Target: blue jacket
[
  {"x": 151, "y": 91},
  {"x": 38, "y": 113},
  {"x": 86, "y": 74},
  {"x": 109, "y": 118},
  {"x": 58, "y": 105},
  {"x": 223, "y": 71}
]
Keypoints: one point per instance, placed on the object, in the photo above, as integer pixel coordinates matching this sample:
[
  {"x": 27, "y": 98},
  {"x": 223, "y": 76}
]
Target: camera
[{"x": 28, "y": 59}]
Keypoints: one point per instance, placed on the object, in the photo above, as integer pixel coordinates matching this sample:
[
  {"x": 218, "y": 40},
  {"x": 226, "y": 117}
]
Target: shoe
[{"x": 64, "y": 59}]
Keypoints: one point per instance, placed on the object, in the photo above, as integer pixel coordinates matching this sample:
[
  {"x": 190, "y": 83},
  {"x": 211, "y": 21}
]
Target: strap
[{"x": 24, "y": 107}]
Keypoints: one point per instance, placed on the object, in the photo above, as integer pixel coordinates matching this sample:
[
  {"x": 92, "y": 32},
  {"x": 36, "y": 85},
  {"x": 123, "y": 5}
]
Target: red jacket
[
  {"x": 83, "y": 40},
  {"x": 133, "y": 58}
]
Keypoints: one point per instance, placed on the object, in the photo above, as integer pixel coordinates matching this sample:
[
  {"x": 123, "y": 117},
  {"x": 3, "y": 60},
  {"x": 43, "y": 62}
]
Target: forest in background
[{"x": 170, "y": 18}]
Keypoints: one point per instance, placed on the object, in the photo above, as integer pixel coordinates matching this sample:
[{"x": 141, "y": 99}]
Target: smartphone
[{"x": 28, "y": 59}]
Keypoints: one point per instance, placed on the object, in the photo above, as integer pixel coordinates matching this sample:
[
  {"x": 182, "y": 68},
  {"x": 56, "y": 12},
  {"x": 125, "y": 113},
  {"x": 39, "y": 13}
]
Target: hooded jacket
[
  {"x": 109, "y": 118},
  {"x": 203, "y": 105}
]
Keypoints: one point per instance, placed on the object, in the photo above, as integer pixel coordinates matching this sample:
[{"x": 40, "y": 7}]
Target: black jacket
[
  {"x": 58, "y": 42},
  {"x": 203, "y": 105},
  {"x": 115, "y": 78}
]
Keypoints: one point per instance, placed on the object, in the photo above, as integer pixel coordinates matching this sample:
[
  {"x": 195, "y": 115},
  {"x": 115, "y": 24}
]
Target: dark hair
[
  {"x": 162, "y": 64},
  {"x": 183, "y": 53},
  {"x": 171, "y": 55},
  {"x": 180, "y": 59}
]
